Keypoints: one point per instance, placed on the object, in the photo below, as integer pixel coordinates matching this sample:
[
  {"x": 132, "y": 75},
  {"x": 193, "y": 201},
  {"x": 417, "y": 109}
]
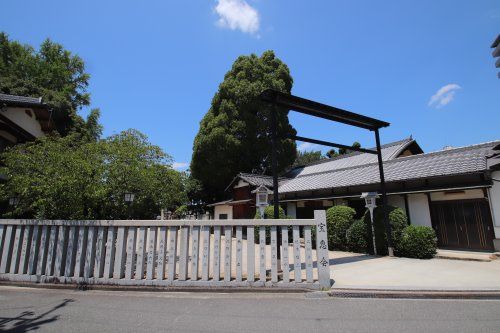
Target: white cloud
[
  {"x": 237, "y": 14},
  {"x": 305, "y": 146},
  {"x": 180, "y": 165},
  {"x": 444, "y": 95}
]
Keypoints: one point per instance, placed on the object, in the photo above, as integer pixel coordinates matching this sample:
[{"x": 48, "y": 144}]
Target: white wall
[
  {"x": 223, "y": 209},
  {"x": 291, "y": 209},
  {"x": 419, "y": 209},
  {"x": 461, "y": 195},
  {"x": 396, "y": 201},
  {"x": 494, "y": 194},
  {"x": 30, "y": 124},
  {"x": 241, "y": 183}
]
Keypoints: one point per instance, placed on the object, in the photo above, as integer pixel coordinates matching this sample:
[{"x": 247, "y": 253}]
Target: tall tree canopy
[
  {"x": 51, "y": 72},
  {"x": 342, "y": 151},
  {"x": 234, "y": 135},
  {"x": 65, "y": 178},
  {"x": 307, "y": 157}
]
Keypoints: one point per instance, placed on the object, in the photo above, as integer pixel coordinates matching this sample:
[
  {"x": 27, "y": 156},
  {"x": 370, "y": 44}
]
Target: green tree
[
  {"x": 66, "y": 178},
  {"x": 332, "y": 153},
  {"x": 51, "y": 72},
  {"x": 234, "y": 134},
  {"x": 307, "y": 157},
  {"x": 343, "y": 151},
  {"x": 134, "y": 165}
]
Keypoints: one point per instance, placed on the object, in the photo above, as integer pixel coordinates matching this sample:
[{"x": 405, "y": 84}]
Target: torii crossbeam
[{"x": 315, "y": 109}]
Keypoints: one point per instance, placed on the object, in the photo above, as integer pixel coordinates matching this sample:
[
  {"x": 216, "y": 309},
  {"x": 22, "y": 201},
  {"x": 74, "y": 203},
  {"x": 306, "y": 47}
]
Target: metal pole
[
  {"x": 274, "y": 162},
  {"x": 390, "y": 247}
]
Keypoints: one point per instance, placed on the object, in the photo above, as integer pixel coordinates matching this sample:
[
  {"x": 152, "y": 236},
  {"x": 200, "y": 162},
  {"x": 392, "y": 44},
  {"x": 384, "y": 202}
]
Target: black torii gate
[{"x": 315, "y": 109}]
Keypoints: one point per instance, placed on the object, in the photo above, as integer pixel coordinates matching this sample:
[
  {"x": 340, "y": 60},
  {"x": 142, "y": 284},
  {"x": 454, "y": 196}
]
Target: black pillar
[
  {"x": 274, "y": 161},
  {"x": 384, "y": 195}
]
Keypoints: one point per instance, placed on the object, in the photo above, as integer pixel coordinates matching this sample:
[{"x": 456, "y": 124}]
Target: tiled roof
[
  {"x": 389, "y": 151},
  {"x": 258, "y": 180},
  {"x": 470, "y": 159},
  {"x": 13, "y": 99}
]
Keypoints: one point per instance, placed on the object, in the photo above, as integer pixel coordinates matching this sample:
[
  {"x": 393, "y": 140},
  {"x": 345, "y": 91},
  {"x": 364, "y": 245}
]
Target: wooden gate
[
  {"x": 178, "y": 253},
  {"x": 463, "y": 224}
]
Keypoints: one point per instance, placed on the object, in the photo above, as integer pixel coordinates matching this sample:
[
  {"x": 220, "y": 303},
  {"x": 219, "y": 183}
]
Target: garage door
[{"x": 463, "y": 224}]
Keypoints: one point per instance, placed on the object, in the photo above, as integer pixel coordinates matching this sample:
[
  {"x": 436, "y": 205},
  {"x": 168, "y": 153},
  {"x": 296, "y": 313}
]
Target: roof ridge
[
  {"x": 487, "y": 143},
  {"x": 259, "y": 175},
  {"x": 404, "y": 158},
  {"x": 354, "y": 153}
]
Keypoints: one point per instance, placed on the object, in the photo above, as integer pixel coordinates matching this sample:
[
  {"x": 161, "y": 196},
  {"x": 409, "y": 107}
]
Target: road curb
[
  {"x": 85, "y": 287},
  {"x": 414, "y": 294}
]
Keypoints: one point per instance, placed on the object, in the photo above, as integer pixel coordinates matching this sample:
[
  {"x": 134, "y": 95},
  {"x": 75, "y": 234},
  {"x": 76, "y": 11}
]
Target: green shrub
[
  {"x": 356, "y": 237},
  {"x": 418, "y": 242},
  {"x": 338, "y": 220},
  {"x": 398, "y": 221},
  {"x": 269, "y": 214}
]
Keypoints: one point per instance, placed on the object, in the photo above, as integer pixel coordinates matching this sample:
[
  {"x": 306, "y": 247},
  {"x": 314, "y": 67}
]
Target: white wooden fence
[{"x": 178, "y": 253}]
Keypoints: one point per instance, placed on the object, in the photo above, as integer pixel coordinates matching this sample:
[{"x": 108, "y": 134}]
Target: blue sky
[{"x": 425, "y": 66}]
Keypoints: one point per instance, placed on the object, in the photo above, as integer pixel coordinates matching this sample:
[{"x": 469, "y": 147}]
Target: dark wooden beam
[
  {"x": 331, "y": 144},
  {"x": 320, "y": 110}
]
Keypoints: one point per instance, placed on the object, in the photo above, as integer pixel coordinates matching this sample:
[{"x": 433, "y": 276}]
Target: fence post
[{"x": 322, "y": 259}]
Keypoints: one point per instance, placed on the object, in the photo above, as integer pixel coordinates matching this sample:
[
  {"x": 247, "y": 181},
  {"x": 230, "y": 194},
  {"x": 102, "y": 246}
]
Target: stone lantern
[
  {"x": 262, "y": 198},
  {"x": 371, "y": 203}
]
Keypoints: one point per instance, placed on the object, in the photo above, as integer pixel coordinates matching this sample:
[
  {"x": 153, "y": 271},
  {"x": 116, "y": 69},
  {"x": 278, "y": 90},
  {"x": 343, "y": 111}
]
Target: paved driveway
[{"x": 350, "y": 270}]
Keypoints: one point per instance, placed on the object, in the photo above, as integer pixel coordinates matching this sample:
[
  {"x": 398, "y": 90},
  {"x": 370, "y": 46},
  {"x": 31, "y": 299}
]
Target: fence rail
[{"x": 190, "y": 253}]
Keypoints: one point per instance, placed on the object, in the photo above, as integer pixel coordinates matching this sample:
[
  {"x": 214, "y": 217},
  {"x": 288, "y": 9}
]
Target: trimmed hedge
[
  {"x": 418, "y": 242},
  {"x": 356, "y": 237},
  {"x": 398, "y": 221},
  {"x": 338, "y": 220}
]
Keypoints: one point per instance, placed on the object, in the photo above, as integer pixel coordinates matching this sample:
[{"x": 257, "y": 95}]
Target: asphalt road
[{"x": 44, "y": 310}]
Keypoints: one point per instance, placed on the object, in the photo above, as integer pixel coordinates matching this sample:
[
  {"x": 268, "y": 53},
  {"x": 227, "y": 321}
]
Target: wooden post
[
  {"x": 16, "y": 250},
  {"x": 42, "y": 257},
  {"x": 172, "y": 253},
  {"x": 274, "y": 254},
  {"x": 228, "y": 240},
  {"x": 297, "y": 264},
  {"x": 195, "y": 251},
  {"x": 23, "y": 261},
  {"x": 130, "y": 263},
  {"x": 216, "y": 270},
  {"x": 141, "y": 253},
  {"x": 150, "y": 269},
  {"x": 162, "y": 252},
  {"x": 60, "y": 250},
  {"x": 100, "y": 252},
  {"x": 109, "y": 262},
  {"x": 90, "y": 253},
  {"x": 308, "y": 253},
  {"x": 35, "y": 244},
  {"x": 183, "y": 253},
  {"x": 262, "y": 253},
  {"x": 119, "y": 264},
  {"x": 284, "y": 254},
  {"x": 239, "y": 254},
  {"x": 250, "y": 254},
  {"x": 7, "y": 246},
  {"x": 69, "y": 267},
  {"x": 205, "y": 264},
  {"x": 323, "y": 261}
]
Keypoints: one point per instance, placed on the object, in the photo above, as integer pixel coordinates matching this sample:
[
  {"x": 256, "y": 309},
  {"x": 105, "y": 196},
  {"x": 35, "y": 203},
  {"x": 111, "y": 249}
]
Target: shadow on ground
[
  {"x": 29, "y": 320},
  {"x": 351, "y": 259}
]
